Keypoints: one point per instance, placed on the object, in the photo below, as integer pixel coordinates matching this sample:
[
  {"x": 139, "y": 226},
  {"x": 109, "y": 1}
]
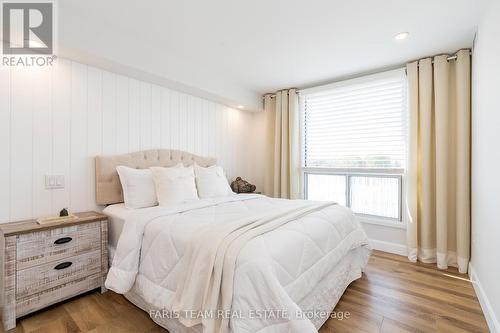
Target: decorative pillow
[
  {"x": 138, "y": 187},
  {"x": 174, "y": 185},
  {"x": 211, "y": 182}
]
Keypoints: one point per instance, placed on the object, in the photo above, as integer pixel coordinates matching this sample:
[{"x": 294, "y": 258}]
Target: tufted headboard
[{"x": 108, "y": 187}]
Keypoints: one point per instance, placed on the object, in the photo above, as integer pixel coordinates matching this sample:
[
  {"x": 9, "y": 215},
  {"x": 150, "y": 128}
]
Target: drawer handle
[
  {"x": 63, "y": 240},
  {"x": 63, "y": 265}
]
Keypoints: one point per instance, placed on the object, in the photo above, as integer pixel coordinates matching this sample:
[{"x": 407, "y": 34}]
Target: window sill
[{"x": 382, "y": 222}]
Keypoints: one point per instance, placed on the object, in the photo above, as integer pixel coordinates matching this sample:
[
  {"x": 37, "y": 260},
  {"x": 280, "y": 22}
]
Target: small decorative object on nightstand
[
  {"x": 64, "y": 216},
  {"x": 43, "y": 264},
  {"x": 242, "y": 186}
]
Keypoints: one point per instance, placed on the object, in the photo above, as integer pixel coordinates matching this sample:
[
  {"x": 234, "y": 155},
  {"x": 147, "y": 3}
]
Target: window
[{"x": 354, "y": 143}]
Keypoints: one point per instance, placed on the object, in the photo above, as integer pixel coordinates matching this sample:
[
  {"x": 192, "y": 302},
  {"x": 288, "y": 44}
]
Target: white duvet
[{"x": 273, "y": 270}]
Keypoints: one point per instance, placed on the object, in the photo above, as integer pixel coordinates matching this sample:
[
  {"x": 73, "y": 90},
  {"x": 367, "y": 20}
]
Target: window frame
[
  {"x": 398, "y": 173},
  {"x": 348, "y": 173}
]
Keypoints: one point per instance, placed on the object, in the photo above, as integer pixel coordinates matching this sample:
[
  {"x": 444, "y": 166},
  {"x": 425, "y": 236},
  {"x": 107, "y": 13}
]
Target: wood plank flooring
[
  {"x": 395, "y": 295},
  {"x": 392, "y": 296}
]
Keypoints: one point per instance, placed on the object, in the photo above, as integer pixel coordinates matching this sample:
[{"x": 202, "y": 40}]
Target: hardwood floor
[
  {"x": 392, "y": 296},
  {"x": 395, "y": 295}
]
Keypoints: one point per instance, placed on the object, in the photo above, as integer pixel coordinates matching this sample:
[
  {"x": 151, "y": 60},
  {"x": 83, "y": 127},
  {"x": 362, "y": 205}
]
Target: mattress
[{"x": 117, "y": 215}]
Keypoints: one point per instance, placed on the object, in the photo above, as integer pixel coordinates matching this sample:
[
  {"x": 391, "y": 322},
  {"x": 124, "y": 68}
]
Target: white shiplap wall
[{"x": 56, "y": 120}]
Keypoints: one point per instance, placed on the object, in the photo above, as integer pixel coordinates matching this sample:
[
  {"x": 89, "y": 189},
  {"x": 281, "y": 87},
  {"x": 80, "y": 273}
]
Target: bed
[{"x": 287, "y": 277}]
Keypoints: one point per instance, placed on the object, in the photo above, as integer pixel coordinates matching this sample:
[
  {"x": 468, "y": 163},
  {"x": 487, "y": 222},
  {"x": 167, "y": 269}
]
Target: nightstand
[{"x": 45, "y": 264}]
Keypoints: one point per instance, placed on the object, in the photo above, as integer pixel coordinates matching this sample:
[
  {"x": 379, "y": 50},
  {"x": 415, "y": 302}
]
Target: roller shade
[{"x": 359, "y": 123}]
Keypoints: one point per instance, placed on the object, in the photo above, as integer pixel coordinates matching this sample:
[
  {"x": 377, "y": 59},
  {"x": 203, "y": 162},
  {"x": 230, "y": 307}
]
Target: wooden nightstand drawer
[
  {"x": 39, "y": 278},
  {"x": 57, "y": 294},
  {"x": 53, "y": 245}
]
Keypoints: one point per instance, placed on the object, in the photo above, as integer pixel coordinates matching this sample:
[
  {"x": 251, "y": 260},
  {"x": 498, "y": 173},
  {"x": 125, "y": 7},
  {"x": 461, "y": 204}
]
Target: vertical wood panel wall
[{"x": 54, "y": 120}]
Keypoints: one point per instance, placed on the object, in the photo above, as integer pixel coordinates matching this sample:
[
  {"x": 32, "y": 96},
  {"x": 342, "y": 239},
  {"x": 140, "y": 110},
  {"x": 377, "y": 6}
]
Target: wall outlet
[{"x": 54, "y": 181}]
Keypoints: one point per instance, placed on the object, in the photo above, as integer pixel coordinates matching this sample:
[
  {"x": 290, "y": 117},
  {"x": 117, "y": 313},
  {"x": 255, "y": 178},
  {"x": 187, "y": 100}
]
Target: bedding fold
[
  {"x": 209, "y": 263},
  {"x": 125, "y": 265}
]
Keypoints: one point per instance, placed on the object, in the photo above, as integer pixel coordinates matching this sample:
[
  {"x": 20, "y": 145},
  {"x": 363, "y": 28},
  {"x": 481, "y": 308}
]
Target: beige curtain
[
  {"x": 438, "y": 175},
  {"x": 282, "y": 174}
]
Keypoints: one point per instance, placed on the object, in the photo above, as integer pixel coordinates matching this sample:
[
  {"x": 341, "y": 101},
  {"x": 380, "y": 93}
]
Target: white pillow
[
  {"x": 174, "y": 185},
  {"x": 211, "y": 182},
  {"x": 138, "y": 187}
]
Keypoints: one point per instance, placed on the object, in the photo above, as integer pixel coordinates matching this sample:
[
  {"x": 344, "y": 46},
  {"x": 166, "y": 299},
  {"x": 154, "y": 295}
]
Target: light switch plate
[{"x": 54, "y": 182}]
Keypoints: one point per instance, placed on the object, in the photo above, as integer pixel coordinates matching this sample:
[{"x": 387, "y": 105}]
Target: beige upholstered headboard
[{"x": 108, "y": 187}]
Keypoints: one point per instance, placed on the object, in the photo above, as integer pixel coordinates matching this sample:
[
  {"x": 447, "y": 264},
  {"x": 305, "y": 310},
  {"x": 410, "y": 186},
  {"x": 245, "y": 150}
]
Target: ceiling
[{"x": 237, "y": 50}]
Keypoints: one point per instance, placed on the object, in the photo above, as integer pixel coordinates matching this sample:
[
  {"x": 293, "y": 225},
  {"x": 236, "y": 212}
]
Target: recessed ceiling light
[
  {"x": 401, "y": 36},
  {"x": 240, "y": 106}
]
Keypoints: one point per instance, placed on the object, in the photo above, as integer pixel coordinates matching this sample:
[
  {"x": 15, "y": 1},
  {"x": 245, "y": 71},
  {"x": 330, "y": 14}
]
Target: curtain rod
[
  {"x": 274, "y": 94},
  {"x": 453, "y": 57}
]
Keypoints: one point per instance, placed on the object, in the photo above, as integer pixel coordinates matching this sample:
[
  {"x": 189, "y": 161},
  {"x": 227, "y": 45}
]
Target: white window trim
[
  {"x": 348, "y": 82},
  {"x": 383, "y": 222}
]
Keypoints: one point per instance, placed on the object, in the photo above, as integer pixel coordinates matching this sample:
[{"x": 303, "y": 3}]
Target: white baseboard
[
  {"x": 491, "y": 319},
  {"x": 389, "y": 247}
]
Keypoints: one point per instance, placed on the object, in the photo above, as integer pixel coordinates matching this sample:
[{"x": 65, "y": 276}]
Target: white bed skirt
[{"x": 324, "y": 297}]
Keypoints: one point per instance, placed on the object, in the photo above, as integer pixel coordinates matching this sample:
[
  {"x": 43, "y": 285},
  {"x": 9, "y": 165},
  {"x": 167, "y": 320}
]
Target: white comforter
[{"x": 272, "y": 273}]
